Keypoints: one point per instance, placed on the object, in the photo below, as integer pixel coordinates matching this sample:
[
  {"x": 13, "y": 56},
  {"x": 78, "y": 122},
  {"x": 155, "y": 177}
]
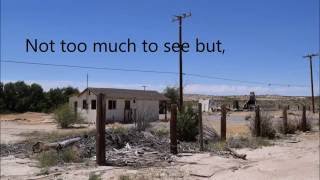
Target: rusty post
[
  {"x": 173, "y": 130},
  {"x": 100, "y": 134},
  {"x": 285, "y": 120},
  {"x": 223, "y": 123},
  {"x": 304, "y": 119},
  {"x": 200, "y": 126},
  {"x": 257, "y": 122}
]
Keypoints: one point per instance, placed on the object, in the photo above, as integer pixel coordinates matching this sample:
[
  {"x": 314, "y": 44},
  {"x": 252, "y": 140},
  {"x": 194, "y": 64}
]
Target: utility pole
[
  {"x": 87, "y": 80},
  {"x": 180, "y": 18},
  {"x": 310, "y": 56},
  {"x": 144, "y": 87}
]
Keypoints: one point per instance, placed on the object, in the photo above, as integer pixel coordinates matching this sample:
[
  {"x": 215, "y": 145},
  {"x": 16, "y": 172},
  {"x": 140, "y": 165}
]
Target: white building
[
  {"x": 122, "y": 105},
  {"x": 207, "y": 104}
]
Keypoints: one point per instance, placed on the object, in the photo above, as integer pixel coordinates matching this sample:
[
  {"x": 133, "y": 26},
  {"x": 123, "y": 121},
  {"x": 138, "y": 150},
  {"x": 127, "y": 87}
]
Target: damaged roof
[{"x": 127, "y": 93}]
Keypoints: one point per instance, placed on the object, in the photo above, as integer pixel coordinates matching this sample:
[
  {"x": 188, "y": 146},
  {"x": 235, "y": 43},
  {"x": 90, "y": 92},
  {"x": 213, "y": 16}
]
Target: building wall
[
  {"x": 205, "y": 104},
  {"x": 147, "y": 109}
]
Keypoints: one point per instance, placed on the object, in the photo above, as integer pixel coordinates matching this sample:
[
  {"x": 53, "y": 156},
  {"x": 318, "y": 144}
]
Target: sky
[{"x": 264, "y": 42}]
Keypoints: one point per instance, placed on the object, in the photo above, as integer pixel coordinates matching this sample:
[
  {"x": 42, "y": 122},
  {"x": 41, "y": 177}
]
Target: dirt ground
[
  {"x": 292, "y": 157},
  {"x": 15, "y": 127}
]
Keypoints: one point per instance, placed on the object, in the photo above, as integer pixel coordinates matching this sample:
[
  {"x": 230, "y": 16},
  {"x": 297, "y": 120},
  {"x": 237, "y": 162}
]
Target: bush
[
  {"x": 118, "y": 128},
  {"x": 69, "y": 155},
  {"x": 52, "y": 158},
  {"x": 292, "y": 126},
  {"x": 65, "y": 117},
  {"x": 266, "y": 127},
  {"x": 245, "y": 142},
  {"x": 48, "y": 158},
  {"x": 161, "y": 132},
  {"x": 93, "y": 176},
  {"x": 187, "y": 125}
]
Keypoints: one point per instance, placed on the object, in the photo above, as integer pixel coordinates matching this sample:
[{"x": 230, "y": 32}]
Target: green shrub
[
  {"x": 65, "y": 117},
  {"x": 69, "y": 155},
  {"x": 187, "y": 125},
  {"x": 124, "y": 177},
  {"x": 161, "y": 132},
  {"x": 52, "y": 158},
  {"x": 93, "y": 176},
  {"x": 48, "y": 158}
]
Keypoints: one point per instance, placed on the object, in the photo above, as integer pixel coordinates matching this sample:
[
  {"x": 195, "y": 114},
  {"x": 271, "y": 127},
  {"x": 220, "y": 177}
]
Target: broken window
[
  {"x": 112, "y": 104},
  {"x": 93, "y": 104},
  {"x": 84, "y": 104}
]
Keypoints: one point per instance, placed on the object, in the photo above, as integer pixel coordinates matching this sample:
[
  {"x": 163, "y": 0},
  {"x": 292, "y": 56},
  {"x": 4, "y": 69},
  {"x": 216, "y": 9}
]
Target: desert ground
[{"x": 292, "y": 156}]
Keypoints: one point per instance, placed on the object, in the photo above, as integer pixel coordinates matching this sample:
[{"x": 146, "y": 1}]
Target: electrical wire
[{"x": 154, "y": 71}]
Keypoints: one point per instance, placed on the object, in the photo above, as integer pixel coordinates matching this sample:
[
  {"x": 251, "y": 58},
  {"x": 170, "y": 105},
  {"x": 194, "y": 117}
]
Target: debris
[
  {"x": 235, "y": 154},
  {"x": 137, "y": 157},
  {"x": 41, "y": 146}
]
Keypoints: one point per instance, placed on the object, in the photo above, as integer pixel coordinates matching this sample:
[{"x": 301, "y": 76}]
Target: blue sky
[{"x": 263, "y": 41}]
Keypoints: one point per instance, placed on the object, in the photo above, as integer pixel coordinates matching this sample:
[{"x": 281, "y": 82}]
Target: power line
[{"x": 155, "y": 72}]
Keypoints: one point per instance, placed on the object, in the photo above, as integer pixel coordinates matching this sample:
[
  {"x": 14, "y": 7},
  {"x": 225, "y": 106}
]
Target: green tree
[
  {"x": 2, "y": 102},
  {"x": 37, "y": 97},
  {"x": 16, "y": 96},
  {"x": 20, "y": 97},
  {"x": 172, "y": 93},
  {"x": 187, "y": 125}
]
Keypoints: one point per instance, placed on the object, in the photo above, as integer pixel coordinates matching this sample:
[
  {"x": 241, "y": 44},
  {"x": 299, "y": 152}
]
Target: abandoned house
[
  {"x": 122, "y": 105},
  {"x": 207, "y": 105}
]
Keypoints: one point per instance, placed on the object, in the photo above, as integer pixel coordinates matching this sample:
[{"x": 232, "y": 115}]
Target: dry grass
[
  {"x": 118, "y": 128},
  {"x": 93, "y": 176},
  {"x": 53, "y": 136},
  {"x": 52, "y": 158}
]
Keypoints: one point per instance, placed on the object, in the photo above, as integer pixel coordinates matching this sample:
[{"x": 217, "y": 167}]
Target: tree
[
  {"x": 172, "y": 93},
  {"x": 2, "y": 102},
  {"x": 37, "y": 97},
  {"x": 187, "y": 125},
  {"x": 20, "y": 97}
]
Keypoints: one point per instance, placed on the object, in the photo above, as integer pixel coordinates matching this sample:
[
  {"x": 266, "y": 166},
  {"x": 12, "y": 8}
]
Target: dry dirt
[
  {"x": 294, "y": 157},
  {"x": 14, "y": 127}
]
